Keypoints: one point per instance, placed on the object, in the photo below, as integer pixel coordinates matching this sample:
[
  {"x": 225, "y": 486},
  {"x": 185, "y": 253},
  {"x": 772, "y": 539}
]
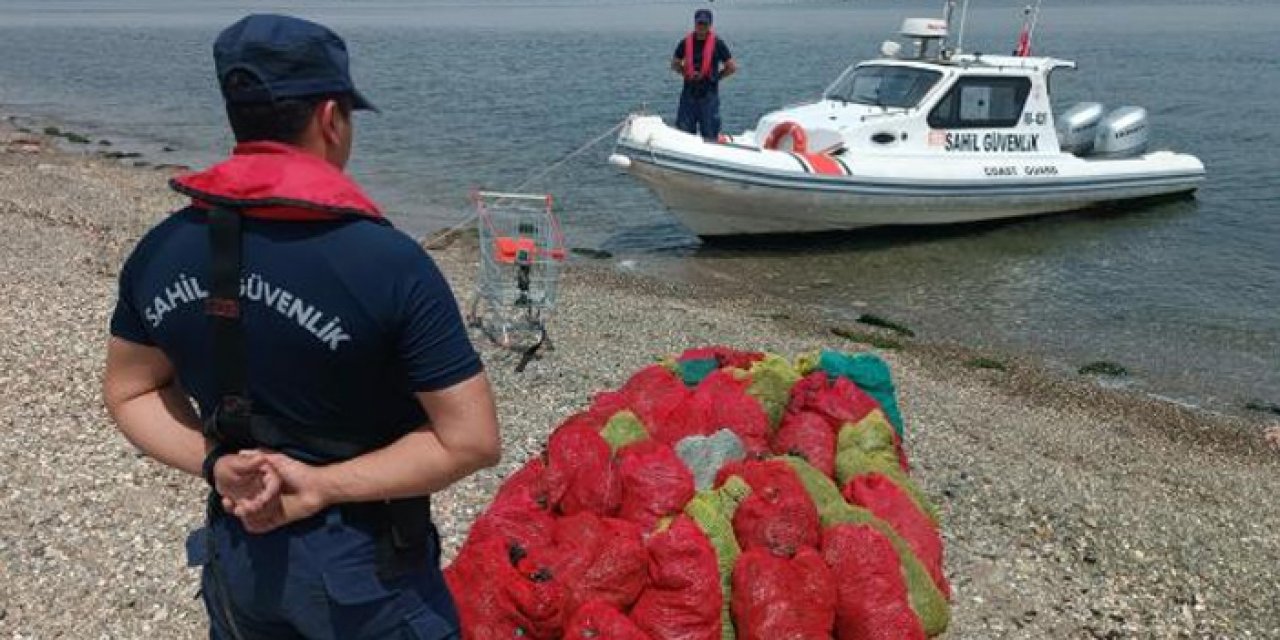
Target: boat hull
[
  {"x": 719, "y": 207},
  {"x": 719, "y": 190}
]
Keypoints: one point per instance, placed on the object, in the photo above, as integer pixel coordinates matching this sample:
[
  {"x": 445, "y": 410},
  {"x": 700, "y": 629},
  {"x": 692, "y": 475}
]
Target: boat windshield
[{"x": 883, "y": 86}]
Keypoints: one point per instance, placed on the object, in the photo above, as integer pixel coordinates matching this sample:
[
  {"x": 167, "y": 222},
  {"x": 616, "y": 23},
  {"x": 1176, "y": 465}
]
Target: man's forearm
[
  {"x": 415, "y": 465},
  {"x": 162, "y": 425}
]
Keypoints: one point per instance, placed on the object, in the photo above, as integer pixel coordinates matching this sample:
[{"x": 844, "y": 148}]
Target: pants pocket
[
  {"x": 355, "y": 587},
  {"x": 198, "y": 548},
  {"x": 436, "y": 621},
  {"x": 416, "y": 607}
]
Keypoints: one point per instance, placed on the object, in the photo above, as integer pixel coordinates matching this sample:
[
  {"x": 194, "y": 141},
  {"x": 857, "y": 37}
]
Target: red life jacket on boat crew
[{"x": 708, "y": 56}]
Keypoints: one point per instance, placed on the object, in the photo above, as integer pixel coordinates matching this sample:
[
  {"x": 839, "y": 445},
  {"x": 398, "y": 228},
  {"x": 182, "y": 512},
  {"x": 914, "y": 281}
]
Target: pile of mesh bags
[{"x": 719, "y": 494}]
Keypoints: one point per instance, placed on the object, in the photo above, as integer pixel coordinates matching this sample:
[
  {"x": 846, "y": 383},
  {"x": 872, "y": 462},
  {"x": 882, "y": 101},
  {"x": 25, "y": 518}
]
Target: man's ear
[{"x": 331, "y": 120}]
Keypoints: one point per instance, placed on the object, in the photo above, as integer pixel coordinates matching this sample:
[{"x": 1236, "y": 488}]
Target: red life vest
[
  {"x": 708, "y": 56},
  {"x": 276, "y": 181}
]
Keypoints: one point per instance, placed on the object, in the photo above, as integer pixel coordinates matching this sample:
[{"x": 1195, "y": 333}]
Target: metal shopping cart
[{"x": 521, "y": 255}]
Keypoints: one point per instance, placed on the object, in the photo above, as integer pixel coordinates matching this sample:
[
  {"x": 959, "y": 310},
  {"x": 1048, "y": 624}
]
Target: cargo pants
[
  {"x": 699, "y": 113},
  {"x": 315, "y": 579}
]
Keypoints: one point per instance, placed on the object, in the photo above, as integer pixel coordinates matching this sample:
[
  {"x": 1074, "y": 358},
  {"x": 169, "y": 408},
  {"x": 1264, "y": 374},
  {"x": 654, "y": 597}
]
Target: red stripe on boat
[{"x": 825, "y": 165}]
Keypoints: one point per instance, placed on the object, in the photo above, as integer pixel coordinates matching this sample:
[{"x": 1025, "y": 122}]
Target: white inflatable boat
[{"x": 933, "y": 136}]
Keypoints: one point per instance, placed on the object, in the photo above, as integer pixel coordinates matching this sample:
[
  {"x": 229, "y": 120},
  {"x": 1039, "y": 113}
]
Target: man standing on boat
[
  {"x": 336, "y": 385},
  {"x": 703, "y": 60}
]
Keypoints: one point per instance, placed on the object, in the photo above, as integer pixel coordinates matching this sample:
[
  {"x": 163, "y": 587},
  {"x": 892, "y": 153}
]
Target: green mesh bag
[
  {"x": 926, "y": 600},
  {"x": 670, "y": 363},
  {"x": 807, "y": 363},
  {"x": 871, "y": 374},
  {"x": 731, "y": 494},
  {"x": 771, "y": 382},
  {"x": 692, "y": 372},
  {"x": 712, "y": 511},
  {"x": 623, "y": 429},
  {"x": 821, "y": 489},
  {"x": 872, "y": 433},
  {"x": 853, "y": 461}
]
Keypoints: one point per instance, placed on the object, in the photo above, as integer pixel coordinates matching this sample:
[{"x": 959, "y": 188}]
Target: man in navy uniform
[
  {"x": 703, "y": 60},
  {"x": 335, "y": 384}
]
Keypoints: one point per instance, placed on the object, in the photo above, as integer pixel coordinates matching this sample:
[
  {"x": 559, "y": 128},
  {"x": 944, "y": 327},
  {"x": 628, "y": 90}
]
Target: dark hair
[{"x": 276, "y": 121}]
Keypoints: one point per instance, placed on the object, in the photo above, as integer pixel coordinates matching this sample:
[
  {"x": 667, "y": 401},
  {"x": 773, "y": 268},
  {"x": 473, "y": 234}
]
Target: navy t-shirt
[
  {"x": 344, "y": 320},
  {"x": 718, "y": 59}
]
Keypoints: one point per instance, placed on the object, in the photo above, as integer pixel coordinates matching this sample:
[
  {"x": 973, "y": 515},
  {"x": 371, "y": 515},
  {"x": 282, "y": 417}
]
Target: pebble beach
[{"x": 1069, "y": 509}]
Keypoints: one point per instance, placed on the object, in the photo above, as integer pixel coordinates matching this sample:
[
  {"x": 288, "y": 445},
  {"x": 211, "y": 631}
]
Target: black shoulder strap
[
  {"x": 234, "y": 423},
  {"x": 230, "y": 423}
]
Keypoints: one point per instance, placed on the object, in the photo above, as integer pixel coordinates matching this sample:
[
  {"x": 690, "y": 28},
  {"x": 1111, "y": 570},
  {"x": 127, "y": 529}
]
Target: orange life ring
[{"x": 799, "y": 141}]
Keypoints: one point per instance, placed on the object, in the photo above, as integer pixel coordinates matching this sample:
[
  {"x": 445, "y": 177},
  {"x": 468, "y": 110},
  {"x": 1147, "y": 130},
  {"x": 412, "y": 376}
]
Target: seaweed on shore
[
  {"x": 1103, "y": 368},
  {"x": 885, "y": 323},
  {"x": 1263, "y": 407},
  {"x": 587, "y": 252},
  {"x": 985, "y": 363},
  {"x": 71, "y": 136},
  {"x": 866, "y": 337}
]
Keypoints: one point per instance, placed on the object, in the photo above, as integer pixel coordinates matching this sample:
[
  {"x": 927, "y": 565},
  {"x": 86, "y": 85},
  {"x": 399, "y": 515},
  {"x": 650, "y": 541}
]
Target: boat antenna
[
  {"x": 948, "y": 7},
  {"x": 964, "y": 17},
  {"x": 1035, "y": 19}
]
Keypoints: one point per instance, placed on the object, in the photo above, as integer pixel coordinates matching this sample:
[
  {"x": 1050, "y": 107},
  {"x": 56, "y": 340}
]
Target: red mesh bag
[
  {"x": 600, "y": 559},
  {"x": 882, "y": 497},
  {"x": 519, "y": 512},
  {"x": 779, "y": 514},
  {"x": 819, "y": 587},
  {"x": 653, "y": 394},
  {"x": 871, "y": 594},
  {"x": 724, "y": 356},
  {"x": 837, "y": 399},
  {"x": 603, "y": 621},
  {"x": 580, "y": 474},
  {"x": 683, "y": 601},
  {"x": 720, "y": 401},
  {"x": 655, "y": 482},
  {"x": 526, "y": 488},
  {"x": 809, "y": 436},
  {"x": 899, "y": 449},
  {"x": 594, "y": 418},
  {"x": 774, "y": 597},
  {"x": 503, "y": 590}
]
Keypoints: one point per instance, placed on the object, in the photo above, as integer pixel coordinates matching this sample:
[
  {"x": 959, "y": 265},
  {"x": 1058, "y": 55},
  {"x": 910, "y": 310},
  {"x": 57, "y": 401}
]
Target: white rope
[{"x": 443, "y": 235}]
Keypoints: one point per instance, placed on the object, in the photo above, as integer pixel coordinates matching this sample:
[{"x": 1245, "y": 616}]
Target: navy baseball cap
[
  {"x": 291, "y": 57},
  {"x": 702, "y": 16}
]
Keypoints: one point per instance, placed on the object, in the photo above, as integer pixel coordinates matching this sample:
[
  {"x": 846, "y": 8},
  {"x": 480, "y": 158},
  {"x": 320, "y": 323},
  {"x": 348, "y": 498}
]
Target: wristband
[{"x": 211, "y": 459}]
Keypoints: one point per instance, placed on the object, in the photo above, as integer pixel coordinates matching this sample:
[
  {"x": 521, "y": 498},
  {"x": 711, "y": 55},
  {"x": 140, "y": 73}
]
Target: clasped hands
[{"x": 266, "y": 489}]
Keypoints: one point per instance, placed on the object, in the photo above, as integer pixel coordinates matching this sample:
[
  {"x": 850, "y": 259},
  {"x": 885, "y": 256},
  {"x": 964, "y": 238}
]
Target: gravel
[{"x": 1069, "y": 510}]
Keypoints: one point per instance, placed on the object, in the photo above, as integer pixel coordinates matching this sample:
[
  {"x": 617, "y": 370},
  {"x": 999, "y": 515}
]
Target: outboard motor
[
  {"x": 1124, "y": 132},
  {"x": 1077, "y": 127}
]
